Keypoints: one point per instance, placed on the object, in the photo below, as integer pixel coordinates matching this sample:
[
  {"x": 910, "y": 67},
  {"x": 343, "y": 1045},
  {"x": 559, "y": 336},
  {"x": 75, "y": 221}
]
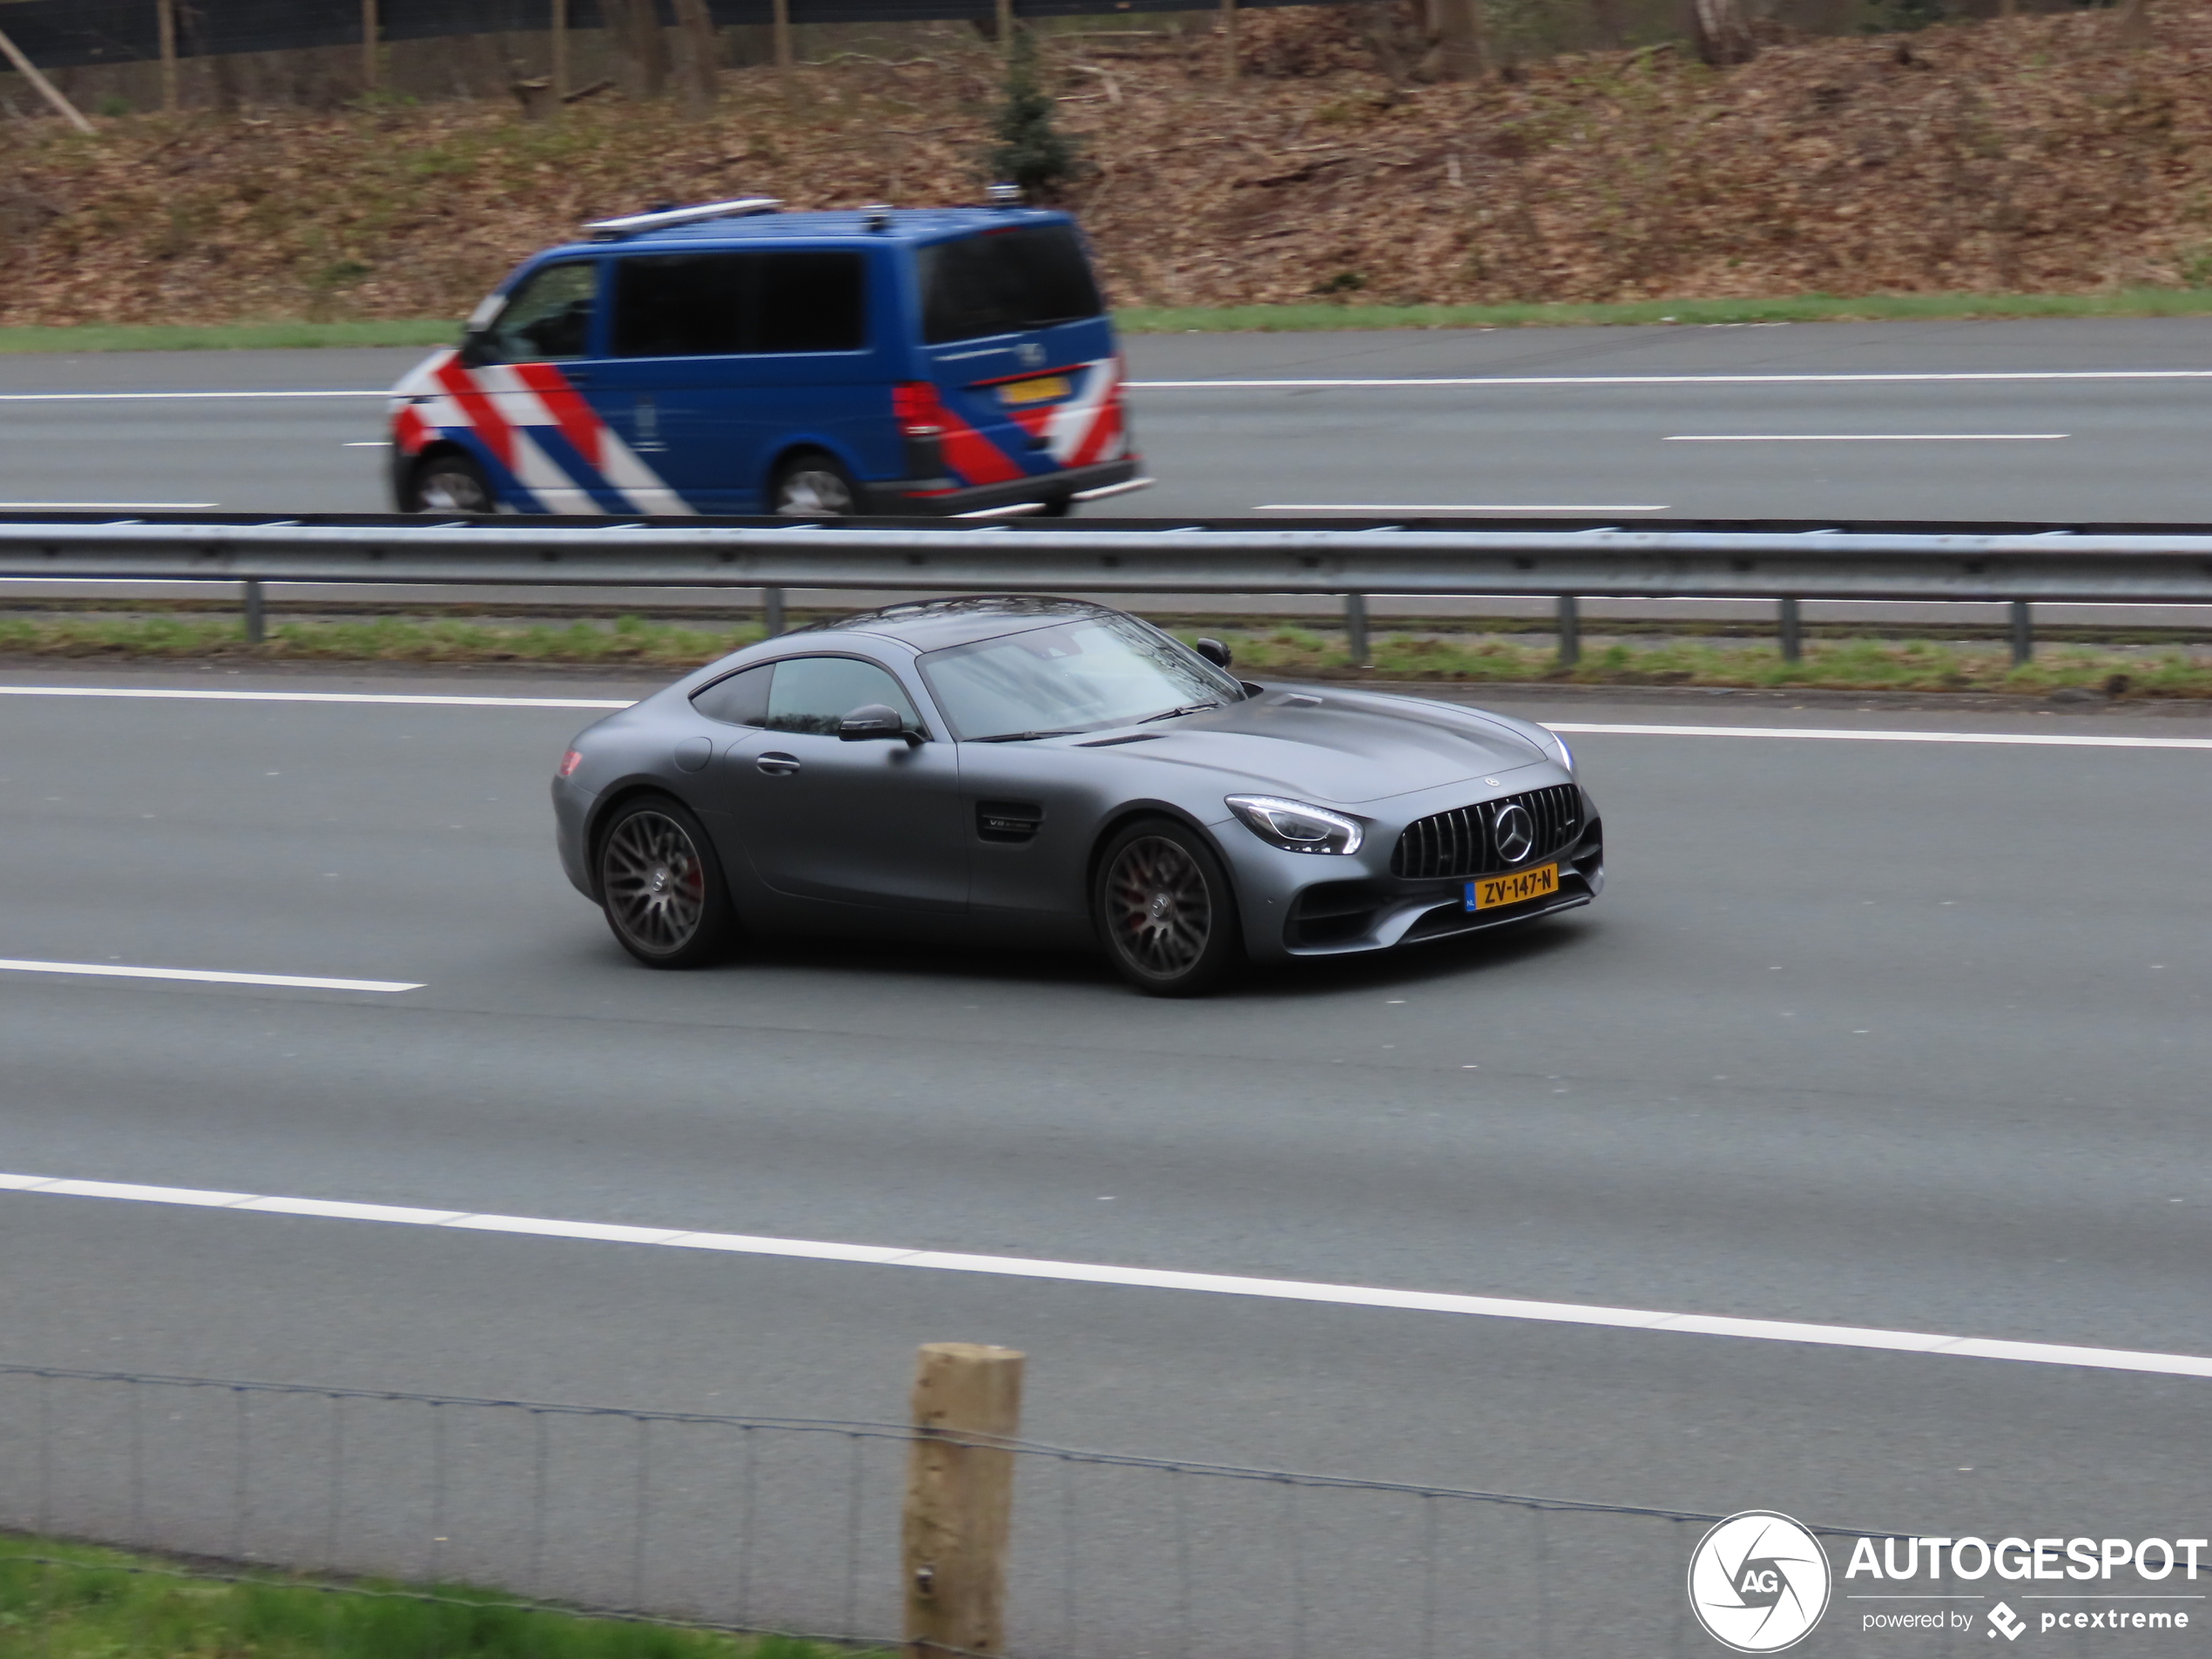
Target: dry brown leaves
[{"x": 2037, "y": 154}]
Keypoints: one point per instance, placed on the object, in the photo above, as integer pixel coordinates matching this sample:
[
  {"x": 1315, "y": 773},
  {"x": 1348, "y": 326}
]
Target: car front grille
[{"x": 1462, "y": 843}]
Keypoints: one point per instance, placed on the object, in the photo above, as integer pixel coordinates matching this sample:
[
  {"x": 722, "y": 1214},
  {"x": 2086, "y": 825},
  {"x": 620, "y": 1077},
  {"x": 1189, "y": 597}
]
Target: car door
[{"x": 875, "y": 823}]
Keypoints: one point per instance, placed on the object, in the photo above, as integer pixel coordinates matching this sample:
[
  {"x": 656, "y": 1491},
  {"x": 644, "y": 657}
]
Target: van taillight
[{"x": 915, "y": 406}]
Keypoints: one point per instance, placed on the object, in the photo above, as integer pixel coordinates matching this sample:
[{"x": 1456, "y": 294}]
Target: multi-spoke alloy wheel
[
  {"x": 1164, "y": 906},
  {"x": 663, "y": 893}
]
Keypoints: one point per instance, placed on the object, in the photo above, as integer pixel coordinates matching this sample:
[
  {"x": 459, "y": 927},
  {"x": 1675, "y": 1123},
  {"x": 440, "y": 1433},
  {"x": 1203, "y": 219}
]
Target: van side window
[
  {"x": 679, "y": 305},
  {"x": 738, "y": 699},
  {"x": 811, "y": 302},
  {"x": 1005, "y": 281},
  {"x": 548, "y": 320},
  {"x": 722, "y": 304}
]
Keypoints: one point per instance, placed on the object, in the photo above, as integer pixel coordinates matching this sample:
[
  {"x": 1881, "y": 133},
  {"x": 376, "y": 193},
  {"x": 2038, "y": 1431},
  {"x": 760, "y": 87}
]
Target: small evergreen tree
[{"x": 1031, "y": 152}]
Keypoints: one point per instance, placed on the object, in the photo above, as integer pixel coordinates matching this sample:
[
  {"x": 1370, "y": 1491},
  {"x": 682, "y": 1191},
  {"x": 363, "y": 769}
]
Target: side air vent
[{"x": 1007, "y": 821}]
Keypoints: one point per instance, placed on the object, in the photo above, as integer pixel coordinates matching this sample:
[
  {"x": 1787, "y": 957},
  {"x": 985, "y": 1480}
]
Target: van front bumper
[{"x": 914, "y": 497}]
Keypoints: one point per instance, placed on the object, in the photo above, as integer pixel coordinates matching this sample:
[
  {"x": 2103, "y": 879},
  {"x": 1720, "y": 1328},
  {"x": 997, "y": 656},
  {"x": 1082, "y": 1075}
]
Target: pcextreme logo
[{"x": 1758, "y": 1582}]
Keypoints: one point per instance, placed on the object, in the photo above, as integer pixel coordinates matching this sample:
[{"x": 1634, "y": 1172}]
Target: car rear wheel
[
  {"x": 1165, "y": 911},
  {"x": 815, "y": 486},
  {"x": 451, "y": 483},
  {"x": 661, "y": 888}
]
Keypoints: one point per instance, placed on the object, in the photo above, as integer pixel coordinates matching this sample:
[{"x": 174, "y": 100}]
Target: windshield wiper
[
  {"x": 1169, "y": 714},
  {"x": 1024, "y": 737}
]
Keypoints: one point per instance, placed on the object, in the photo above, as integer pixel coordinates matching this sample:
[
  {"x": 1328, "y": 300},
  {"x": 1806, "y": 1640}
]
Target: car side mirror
[
  {"x": 1214, "y": 651},
  {"x": 873, "y": 721},
  {"x": 475, "y": 349}
]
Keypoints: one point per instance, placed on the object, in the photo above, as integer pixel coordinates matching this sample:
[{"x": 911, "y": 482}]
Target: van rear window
[{"x": 1002, "y": 282}]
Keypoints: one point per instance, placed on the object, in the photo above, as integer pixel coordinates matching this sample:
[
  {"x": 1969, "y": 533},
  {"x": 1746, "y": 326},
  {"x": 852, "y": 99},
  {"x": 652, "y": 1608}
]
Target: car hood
[{"x": 1339, "y": 746}]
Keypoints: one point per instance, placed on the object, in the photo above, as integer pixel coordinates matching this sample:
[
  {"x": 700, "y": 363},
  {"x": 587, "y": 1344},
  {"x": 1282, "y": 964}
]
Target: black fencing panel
[{"x": 60, "y": 33}]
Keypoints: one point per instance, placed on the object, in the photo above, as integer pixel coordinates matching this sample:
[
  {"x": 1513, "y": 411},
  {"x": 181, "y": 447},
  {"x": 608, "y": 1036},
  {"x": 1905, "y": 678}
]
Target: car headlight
[
  {"x": 1565, "y": 754},
  {"x": 1296, "y": 827}
]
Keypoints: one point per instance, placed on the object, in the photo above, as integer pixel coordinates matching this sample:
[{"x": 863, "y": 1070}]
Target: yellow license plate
[
  {"x": 1042, "y": 391},
  {"x": 1492, "y": 891}
]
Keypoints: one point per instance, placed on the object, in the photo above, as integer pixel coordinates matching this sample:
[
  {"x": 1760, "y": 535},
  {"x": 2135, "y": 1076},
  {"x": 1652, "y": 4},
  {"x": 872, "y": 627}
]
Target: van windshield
[{"x": 1005, "y": 281}]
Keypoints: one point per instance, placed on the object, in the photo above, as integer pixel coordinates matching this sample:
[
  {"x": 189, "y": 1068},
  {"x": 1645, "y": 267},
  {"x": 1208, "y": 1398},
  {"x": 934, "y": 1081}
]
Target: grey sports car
[{"x": 1047, "y": 771}]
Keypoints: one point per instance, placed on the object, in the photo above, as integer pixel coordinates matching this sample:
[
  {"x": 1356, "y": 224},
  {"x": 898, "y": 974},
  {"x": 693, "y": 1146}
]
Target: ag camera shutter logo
[{"x": 1758, "y": 1582}]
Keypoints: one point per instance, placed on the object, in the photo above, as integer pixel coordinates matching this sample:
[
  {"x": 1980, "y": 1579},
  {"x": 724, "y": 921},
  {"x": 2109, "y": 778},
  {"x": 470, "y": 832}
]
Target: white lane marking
[
  {"x": 154, "y": 397},
  {"x": 402, "y": 698},
  {"x": 1865, "y": 437},
  {"x": 1432, "y": 507},
  {"x": 1902, "y": 376},
  {"x": 1491, "y": 1307},
  {"x": 104, "y": 506},
  {"x": 208, "y": 976},
  {"x": 1844, "y": 733},
  {"x": 1852, "y": 734}
]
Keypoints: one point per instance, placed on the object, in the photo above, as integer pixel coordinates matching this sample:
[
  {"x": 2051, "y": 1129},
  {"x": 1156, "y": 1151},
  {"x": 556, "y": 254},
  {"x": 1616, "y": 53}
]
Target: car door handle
[{"x": 777, "y": 764}]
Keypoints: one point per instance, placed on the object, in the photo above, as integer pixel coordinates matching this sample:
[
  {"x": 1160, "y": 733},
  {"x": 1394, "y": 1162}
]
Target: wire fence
[
  {"x": 56, "y": 34},
  {"x": 752, "y": 1524}
]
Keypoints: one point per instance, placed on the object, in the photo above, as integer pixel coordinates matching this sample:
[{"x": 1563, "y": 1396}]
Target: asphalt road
[
  {"x": 1612, "y": 419},
  {"x": 1909, "y": 1036}
]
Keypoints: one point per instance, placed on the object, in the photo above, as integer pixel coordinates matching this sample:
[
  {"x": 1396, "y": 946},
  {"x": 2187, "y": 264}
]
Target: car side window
[
  {"x": 548, "y": 320},
  {"x": 738, "y": 699},
  {"x": 813, "y": 694}
]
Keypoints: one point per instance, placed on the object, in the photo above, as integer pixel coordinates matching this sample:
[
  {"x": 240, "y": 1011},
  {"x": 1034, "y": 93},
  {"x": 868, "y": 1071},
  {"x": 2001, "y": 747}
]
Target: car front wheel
[
  {"x": 661, "y": 886},
  {"x": 1165, "y": 911}
]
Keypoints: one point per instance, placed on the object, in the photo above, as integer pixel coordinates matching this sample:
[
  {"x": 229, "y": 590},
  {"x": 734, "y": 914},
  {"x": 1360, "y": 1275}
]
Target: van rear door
[{"x": 1020, "y": 351}]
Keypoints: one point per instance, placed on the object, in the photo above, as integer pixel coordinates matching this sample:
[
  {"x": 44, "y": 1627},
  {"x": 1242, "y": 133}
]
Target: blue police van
[{"x": 731, "y": 358}]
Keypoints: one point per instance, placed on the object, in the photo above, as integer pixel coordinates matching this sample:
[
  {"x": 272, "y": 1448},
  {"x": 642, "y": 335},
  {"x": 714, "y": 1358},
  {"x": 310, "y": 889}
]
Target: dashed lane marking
[{"x": 207, "y": 976}]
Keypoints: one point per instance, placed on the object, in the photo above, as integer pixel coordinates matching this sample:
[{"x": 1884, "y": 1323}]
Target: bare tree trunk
[
  {"x": 1376, "y": 30},
  {"x": 1605, "y": 24},
  {"x": 699, "y": 83},
  {"x": 1460, "y": 55},
  {"x": 2134, "y": 23},
  {"x": 1722, "y": 32},
  {"x": 633, "y": 27}
]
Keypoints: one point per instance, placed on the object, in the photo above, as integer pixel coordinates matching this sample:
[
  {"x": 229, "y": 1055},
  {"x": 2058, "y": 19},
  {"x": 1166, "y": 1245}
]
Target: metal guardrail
[{"x": 1788, "y": 561}]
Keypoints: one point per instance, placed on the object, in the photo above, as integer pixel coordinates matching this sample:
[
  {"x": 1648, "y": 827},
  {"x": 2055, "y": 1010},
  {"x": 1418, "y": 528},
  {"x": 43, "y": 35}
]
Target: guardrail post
[
  {"x": 772, "y": 612},
  {"x": 960, "y": 1498},
  {"x": 1571, "y": 631},
  {"x": 1355, "y": 631},
  {"x": 2023, "y": 633},
  {"x": 256, "y": 617},
  {"x": 1792, "y": 629}
]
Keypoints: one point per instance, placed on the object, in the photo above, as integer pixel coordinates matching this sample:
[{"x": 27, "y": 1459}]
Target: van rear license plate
[
  {"x": 1492, "y": 891},
  {"x": 1038, "y": 391}
]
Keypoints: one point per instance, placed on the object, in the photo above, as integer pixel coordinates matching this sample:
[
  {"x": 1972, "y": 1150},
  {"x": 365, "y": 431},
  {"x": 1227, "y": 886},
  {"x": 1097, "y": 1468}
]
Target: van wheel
[
  {"x": 814, "y": 485},
  {"x": 450, "y": 484}
]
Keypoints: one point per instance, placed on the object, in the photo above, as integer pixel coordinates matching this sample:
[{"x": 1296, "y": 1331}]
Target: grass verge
[
  {"x": 62, "y": 1600},
  {"x": 2159, "y": 670},
  {"x": 241, "y": 336},
  {"x": 1804, "y": 307}
]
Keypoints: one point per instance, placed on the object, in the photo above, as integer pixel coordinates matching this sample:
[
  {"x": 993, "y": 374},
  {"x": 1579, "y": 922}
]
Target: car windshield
[{"x": 1076, "y": 676}]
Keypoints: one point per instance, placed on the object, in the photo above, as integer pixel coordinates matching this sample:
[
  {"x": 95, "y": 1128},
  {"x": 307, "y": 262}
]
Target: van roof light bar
[{"x": 661, "y": 218}]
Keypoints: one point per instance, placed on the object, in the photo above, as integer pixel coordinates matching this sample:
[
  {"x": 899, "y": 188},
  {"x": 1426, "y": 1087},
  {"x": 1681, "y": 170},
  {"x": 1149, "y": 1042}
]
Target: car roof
[
  {"x": 913, "y": 225},
  {"x": 934, "y": 625}
]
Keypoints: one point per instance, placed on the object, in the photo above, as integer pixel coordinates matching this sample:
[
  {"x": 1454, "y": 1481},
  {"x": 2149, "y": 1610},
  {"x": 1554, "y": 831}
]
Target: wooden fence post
[
  {"x": 1229, "y": 41},
  {"x": 167, "y": 18},
  {"x": 960, "y": 1498},
  {"x": 780, "y": 21},
  {"x": 47, "y": 90},
  {"x": 370, "y": 29},
  {"x": 560, "y": 53}
]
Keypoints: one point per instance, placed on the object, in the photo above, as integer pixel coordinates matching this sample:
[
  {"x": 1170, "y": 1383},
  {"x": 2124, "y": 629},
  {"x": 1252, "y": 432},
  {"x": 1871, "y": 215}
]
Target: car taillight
[{"x": 569, "y": 762}]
